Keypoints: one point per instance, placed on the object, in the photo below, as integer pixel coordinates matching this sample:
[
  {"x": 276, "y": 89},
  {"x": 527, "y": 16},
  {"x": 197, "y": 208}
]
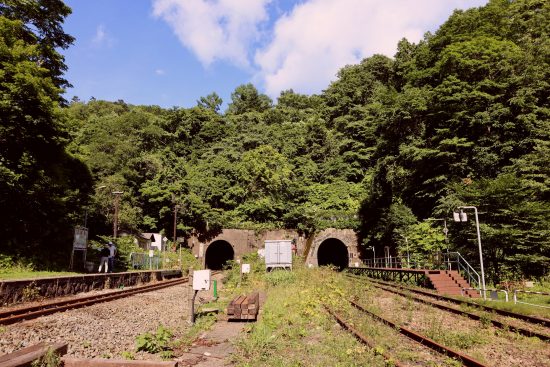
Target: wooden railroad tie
[
  {"x": 244, "y": 307},
  {"x": 26, "y": 356},
  {"x": 100, "y": 362}
]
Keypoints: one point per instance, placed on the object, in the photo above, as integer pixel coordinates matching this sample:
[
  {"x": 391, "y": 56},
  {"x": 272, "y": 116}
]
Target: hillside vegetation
[{"x": 461, "y": 118}]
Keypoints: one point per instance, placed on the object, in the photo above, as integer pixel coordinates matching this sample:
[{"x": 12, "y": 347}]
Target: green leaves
[
  {"x": 461, "y": 117},
  {"x": 154, "y": 343},
  {"x": 42, "y": 187}
]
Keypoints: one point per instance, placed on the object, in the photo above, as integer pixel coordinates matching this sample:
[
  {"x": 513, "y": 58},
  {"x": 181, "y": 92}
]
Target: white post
[
  {"x": 460, "y": 216},
  {"x": 480, "y": 253}
]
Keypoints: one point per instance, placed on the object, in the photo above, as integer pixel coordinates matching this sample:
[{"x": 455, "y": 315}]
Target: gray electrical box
[
  {"x": 201, "y": 280},
  {"x": 278, "y": 254}
]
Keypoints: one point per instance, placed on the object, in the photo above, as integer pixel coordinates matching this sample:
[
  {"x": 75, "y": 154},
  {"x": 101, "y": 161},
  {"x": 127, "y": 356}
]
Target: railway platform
[{"x": 20, "y": 290}]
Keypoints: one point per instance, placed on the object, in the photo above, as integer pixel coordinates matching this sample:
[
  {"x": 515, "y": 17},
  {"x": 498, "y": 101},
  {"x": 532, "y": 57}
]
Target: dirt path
[{"x": 213, "y": 347}]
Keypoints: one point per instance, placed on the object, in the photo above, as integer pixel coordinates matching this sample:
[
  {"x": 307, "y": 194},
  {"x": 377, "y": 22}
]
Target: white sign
[
  {"x": 80, "y": 238},
  {"x": 201, "y": 280},
  {"x": 151, "y": 253},
  {"x": 246, "y": 268}
]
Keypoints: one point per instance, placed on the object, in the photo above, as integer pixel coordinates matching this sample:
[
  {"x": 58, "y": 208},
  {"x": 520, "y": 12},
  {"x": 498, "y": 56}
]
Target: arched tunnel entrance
[
  {"x": 333, "y": 252},
  {"x": 217, "y": 254}
]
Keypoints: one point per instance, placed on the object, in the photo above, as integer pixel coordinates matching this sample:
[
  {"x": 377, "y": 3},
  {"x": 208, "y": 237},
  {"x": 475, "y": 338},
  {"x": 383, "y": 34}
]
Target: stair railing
[{"x": 456, "y": 261}]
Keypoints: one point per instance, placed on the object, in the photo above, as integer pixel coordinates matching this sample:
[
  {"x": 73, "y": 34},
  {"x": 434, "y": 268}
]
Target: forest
[{"x": 460, "y": 118}]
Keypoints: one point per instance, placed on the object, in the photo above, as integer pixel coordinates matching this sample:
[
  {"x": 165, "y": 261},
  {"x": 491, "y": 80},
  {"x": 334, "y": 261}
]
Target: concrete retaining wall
[
  {"x": 15, "y": 291},
  {"x": 246, "y": 241}
]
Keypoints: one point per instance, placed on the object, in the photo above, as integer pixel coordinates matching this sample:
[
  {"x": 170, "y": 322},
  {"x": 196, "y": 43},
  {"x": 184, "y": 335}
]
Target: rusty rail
[
  {"x": 531, "y": 319},
  {"x": 363, "y": 339},
  {"x": 27, "y": 313},
  {"x": 465, "y": 359},
  {"x": 495, "y": 323}
]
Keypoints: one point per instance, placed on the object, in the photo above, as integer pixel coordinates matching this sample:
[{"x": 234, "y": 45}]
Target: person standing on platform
[
  {"x": 104, "y": 262},
  {"x": 112, "y": 254}
]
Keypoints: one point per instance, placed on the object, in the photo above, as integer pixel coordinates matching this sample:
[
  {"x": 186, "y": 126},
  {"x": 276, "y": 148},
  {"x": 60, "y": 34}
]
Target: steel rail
[
  {"x": 363, "y": 339},
  {"x": 527, "y": 318},
  {"x": 465, "y": 359},
  {"x": 27, "y": 313},
  {"x": 473, "y": 316}
]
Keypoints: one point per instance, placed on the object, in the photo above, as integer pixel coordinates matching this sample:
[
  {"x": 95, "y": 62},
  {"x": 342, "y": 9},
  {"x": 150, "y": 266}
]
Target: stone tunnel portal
[
  {"x": 218, "y": 254},
  {"x": 333, "y": 252}
]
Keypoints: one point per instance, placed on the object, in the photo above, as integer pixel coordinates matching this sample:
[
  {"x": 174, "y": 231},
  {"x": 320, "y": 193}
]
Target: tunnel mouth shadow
[
  {"x": 333, "y": 252},
  {"x": 218, "y": 254}
]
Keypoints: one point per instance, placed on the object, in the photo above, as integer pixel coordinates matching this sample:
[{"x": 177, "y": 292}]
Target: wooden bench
[{"x": 244, "y": 307}]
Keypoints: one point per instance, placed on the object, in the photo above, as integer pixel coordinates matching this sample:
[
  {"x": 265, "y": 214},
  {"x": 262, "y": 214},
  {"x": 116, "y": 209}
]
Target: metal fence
[
  {"x": 437, "y": 261},
  {"x": 143, "y": 261}
]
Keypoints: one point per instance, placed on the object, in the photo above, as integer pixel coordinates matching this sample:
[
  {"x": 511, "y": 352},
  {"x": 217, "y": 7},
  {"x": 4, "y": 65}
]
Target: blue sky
[{"x": 172, "y": 52}]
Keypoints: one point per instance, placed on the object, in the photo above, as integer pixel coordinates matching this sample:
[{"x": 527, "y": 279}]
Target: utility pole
[
  {"x": 176, "y": 207},
  {"x": 117, "y": 202}
]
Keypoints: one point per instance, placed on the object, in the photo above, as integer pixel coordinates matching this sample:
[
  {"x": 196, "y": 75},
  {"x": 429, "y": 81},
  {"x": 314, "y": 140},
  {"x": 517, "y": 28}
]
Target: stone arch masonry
[{"x": 247, "y": 241}]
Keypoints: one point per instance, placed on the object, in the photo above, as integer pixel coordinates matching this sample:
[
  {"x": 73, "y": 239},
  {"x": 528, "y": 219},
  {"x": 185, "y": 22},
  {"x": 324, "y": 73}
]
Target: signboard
[
  {"x": 201, "y": 280},
  {"x": 245, "y": 268},
  {"x": 80, "y": 238},
  {"x": 151, "y": 253}
]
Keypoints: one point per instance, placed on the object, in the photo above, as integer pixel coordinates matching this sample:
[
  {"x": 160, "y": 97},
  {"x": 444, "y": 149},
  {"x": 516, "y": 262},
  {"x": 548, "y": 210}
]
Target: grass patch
[
  {"x": 522, "y": 308},
  {"x": 12, "y": 268},
  {"x": 201, "y": 324},
  {"x": 14, "y": 274},
  {"x": 295, "y": 330}
]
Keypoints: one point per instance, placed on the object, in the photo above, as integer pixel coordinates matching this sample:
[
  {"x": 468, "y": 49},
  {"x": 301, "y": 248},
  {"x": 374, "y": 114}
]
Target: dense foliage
[
  {"x": 461, "y": 118},
  {"x": 40, "y": 184}
]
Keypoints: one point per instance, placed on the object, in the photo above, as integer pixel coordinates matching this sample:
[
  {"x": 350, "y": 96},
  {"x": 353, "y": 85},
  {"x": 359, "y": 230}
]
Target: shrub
[{"x": 154, "y": 343}]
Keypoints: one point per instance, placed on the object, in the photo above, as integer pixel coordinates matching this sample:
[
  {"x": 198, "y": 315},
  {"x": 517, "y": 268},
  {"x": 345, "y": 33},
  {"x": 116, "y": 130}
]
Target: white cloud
[
  {"x": 215, "y": 29},
  {"x": 319, "y": 37},
  {"x": 160, "y": 72},
  {"x": 307, "y": 45},
  {"x": 101, "y": 37}
]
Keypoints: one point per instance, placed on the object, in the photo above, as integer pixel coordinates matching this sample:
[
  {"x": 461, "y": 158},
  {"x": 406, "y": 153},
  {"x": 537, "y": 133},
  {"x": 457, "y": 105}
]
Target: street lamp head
[{"x": 460, "y": 216}]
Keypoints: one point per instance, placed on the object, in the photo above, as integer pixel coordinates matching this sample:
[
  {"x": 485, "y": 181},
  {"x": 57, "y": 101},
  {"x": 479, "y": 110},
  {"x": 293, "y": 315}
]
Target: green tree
[
  {"x": 246, "y": 98},
  {"x": 41, "y": 186},
  {"x": 212, "y": 102}
]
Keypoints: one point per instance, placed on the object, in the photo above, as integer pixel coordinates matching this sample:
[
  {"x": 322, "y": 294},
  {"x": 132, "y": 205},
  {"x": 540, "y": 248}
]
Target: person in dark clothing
[
  {"x": 112, "y": 253},
  {"x": 104, "y": 262}
]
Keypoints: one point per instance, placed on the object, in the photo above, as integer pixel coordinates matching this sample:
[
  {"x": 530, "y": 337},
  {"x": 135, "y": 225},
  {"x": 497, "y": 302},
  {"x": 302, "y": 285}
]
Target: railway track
[
  {"x": 528, "y": 318},
  {"x": 391, "y": 360},
  {"x": 501, "y": 324},
  {"x": 27, "y": 313},
  {"x": 416, "y": 337}
]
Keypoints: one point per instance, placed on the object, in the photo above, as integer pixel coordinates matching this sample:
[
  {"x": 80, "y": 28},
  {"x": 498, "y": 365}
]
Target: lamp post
[
  {"x": 176, "y": 207},
  {"x": 462, "y": 217},
  {"x": 117, "y": 202},
  {"x": 373, "y": 255}
]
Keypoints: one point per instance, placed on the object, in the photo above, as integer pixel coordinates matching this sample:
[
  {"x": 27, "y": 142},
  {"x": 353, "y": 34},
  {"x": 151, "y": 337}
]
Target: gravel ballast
[{"x": 104, "y": 330}]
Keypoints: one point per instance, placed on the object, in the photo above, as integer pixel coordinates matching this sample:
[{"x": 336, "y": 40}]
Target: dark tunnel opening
[
  {"x": 218, "y": 254},
  {"x": 333, "y": 252}
]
